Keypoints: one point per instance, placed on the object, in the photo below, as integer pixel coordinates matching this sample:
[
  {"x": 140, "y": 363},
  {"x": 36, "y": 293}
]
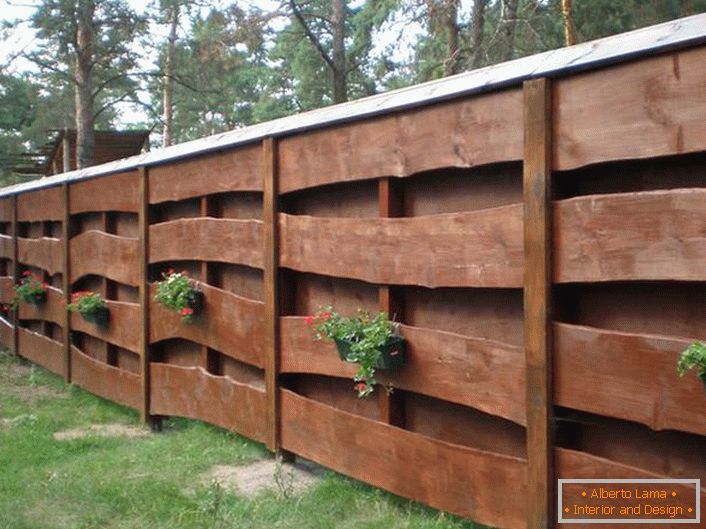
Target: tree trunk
[
  {"x": 509, "y": 22},
  {"x": 168, "y": 88},
  {"x": 477, "y": 26},
  {"x": 85, "y": 120},
  {"x": 451, "y": 23},
  {"x": 569, "y": 31},
  {"x": 338, "y": 51}
]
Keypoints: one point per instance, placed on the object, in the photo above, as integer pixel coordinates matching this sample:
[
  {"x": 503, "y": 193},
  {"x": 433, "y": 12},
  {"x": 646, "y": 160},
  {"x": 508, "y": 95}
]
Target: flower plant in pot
[
  {"x": 372, "y": 342},
  {"x": 178, "y": 292},
  {"x": 694, "y": 357},
  {"x": 90, "y": 305},
  {"x": 30, "y": 289}
]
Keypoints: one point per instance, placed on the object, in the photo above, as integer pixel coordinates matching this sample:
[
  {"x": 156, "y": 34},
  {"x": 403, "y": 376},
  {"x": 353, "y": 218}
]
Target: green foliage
[
  {"x": 694, "y": 357},
  {"x": 179, "y": 293},
  {"x": 366, "y": 335},
  {"x": 30, "y": 289},
  {"x": 90, "y": 305}
]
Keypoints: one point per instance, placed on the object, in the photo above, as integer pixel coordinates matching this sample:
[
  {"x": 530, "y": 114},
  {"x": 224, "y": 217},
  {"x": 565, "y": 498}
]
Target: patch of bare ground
[{"x": 102, "y": 430}]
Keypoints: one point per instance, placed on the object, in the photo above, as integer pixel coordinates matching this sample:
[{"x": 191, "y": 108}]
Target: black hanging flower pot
[
  {"x": 98, "y": 316},
  {"x": 392, "y": 354}
]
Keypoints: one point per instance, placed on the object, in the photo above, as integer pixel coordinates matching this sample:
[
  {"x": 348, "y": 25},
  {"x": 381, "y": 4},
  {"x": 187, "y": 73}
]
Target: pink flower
[
  {"x": 326, "y": 316},
  {"x": 170, "y": 272},
  {"x": 187, "y": 311},
  {"x": 360, "y": 387},
  {"x": 309, "y": 320},
  {"x": 26, "y": 273}
]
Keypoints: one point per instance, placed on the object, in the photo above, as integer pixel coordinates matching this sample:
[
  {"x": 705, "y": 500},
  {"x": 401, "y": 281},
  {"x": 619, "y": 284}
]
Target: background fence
[{"x": 542, "y": 244}]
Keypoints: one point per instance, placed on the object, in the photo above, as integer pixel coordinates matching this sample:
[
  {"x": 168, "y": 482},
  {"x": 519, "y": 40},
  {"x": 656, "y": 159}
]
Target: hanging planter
[
  {"x": 694, "y": 357},
  {"x": 30, "y": 289},
  {"x": 91, "y": 306},
  {"x": 371, "y": 342},
  {"x": 179, "y": 293}
]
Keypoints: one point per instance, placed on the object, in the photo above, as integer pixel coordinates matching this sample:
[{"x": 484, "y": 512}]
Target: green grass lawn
[{"x": 154, "y": 481}]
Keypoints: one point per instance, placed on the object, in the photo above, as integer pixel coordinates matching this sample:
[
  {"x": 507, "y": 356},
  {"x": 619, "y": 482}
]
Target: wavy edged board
[
  {"x": 104, "y": 254},
  {"x": 104, "y": 380},
  {"x": 464, "y": 133},
  {"x": 486, "y": 375},
  {"x": 45, "y": 253},
  {"x": 488, "y": 488},
  {"x": 232, "y": 170},
  {"x": 123, "y": 327},
  {"x": 627, "y": 376},
  {"x": 42, "y": 204},
  {"x": 207, "y": 239},
  {"x": 653, "y": 235},
  {"x": 41, "y": 350},
  {"x": 6, "y": 250},
  {"x": 117, "y": 192},
  {"x": 6, "y": 290},
  {"x": 6, "y": 333},
  {"x": 230, "y": 324},
  {"x": 52, "y": 309},
  {"x": 657, "y": 107},
  {"x": 472, "y": 249},
  {"x": 214, "y": 399}
]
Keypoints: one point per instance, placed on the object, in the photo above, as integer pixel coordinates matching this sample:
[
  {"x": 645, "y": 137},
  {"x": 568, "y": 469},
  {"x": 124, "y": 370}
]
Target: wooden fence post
[
  {"x": 66, "y": 279},
  {"x": 15, "y": 278},
  {"x": 143, "y": 229},
  {"x": 537, "y": 302}
]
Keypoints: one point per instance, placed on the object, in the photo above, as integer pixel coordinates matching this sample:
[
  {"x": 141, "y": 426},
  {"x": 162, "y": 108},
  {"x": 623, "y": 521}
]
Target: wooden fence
[{"x": 543, "y": 245}]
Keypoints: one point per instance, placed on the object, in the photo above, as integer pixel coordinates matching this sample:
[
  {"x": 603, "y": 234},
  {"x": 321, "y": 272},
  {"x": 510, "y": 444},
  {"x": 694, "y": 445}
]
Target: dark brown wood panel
[
  {"x": 655, "y": 235},
  {"x": 220, "y": 400},
  {"x": 627, "y": 376},
  {"x": 6, "y": 332},
  {"x": 469, "y": 132},
  {"x": 483, "y": 374},
  {"x": 45, "y": 253},
  {"x": 232, "y": 170},
  {"x": 207, "y": 239},
  {"x": 484, "y": 486},
  {"x": 53, "y": 309},
  {"x": 230, "y": 324},
  {"x": 104, "y": 380},
  {"x": 6, "y": 243},
  {"x": 42, "y": 204},
  {"x": 6, "y": 289},
  {"x": 6, "y": 209},
  {"x": 110, "y": 256},
  {"x": 123, "y": 328},
  {"x": 479, "y": 248},
  {"x": 41, "y": 350},
  {"x": 117, "y": 192},
  {"x": 657, "y": 107}
]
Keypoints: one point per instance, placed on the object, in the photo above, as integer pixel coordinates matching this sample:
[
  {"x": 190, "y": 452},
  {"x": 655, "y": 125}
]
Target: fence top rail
[{"x": 676, "y": 34}]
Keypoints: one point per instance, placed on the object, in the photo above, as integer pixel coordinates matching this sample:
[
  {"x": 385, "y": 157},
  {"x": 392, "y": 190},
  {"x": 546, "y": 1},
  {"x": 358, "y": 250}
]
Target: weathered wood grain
[
  {"x": 654, "y": 235},
  {"x": 6, "y": 243},
  {"x": 627, "y": 376},
  {"x": 486, "y": 487},
  {"x": 123, "y": 328},
  {"x": 207, "y": 239},
  {"x": 41, "y": 350},
  {"x": 43, "y": 204},
  {"x": 44, "y": 253},
  {"x": 479, "y": 248},
  {"x": 463, "y": 133},
  {"x": 110, "y": 256},
  {"x": 483, "y": 374},
  {"x": 116, "y": 192},
  {"x": 232, "y": 170},
  {"x": 230, "y": 324},
  {"x": 52, "y": 309},
  {"x": 657, "y": 107},
  {"x": 214, "y": 399},
  {"x": 106, "y": 381}
]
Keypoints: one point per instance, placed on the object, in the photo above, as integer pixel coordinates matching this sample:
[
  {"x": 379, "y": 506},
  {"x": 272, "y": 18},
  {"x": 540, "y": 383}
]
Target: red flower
[
  {"x": 326, "y": 316},
  {"x": 170, "y": 271},
  {"x": 26, "y": 273},
  {"x": 309, "y": 320},
  {"x": 361, "y": 386},
  {"x": 187, "y": 311},
  {"x": 5, "y": 309}
]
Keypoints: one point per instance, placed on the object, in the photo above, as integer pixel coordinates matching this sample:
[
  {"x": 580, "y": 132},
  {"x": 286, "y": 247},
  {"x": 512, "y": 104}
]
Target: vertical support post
[
  {"x": 271, "y": 290},
  {"x": 390, "y": 405},
  {"x": 107, "y": 288},
  {"x": 66, "y": 151},
  {"x": 66, "y": 279},
  {"x": 537, "y": 302},
  {"x": 15, "y": 278},
  {"x": 208, "y": 357},
  {"x": 143, "y": 227}
]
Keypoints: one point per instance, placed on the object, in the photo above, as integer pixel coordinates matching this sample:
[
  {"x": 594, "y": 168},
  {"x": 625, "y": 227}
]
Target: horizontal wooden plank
[
  {"x": 104, "y": 254},
  {"x": 655, "y": 235},
  {"x": 483, "y": 374},
  {"x": 657, "y": 107},
  {"x": 52, "y": 309},
  {"x": 486, "y": 487},
  {"x": 116, "y": 192},
  {"x": 45, "y": 253},
  {"x": 627, "y": 376},
  {"x": 43, "y": 204},
  {"x": 207, "y": 239},
  {"x": 6, "y": 332},
  {"x": 230, "y": 324},
  {"x": 41, "y": 350},
  {"x": 104, "y": 380},
  {"x": 6, "y": 246},
  {"x": 6, "y": 289},
  {"x": 233, "y": 170},
  {"x": 194, "y": 393},
  {"x": 123, "y": 328},
  {"x": 473, "y": 249},
  {"x": 469, "y": 132}
]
